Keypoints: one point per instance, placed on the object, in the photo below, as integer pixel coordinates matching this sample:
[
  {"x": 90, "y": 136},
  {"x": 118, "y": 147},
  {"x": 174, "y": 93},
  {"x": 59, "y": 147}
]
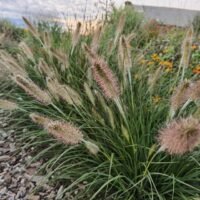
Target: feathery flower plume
[
  {"x": 39, "y": 119},
  {"x": 31, "y": 28},
  {"x": 96, "y": 38},
  {"x": 32, "y": 89},
  {"x": 130, "y": 37},
  {"x": 76, "y": 36},
  {"x": 64, "y": 92},
  {"x": 186, "y": 51},
  {"x": 64, "y": 132},
  {"x": 46, "y": 39},
  {"x": 26, "y": 50},
  {"x": 180, "y": 136},
  {"x": 180, "y": 95},
  {"x": 8, "y": 105},
  {"x": 93, "y": 148},
  {"x": 194, "y": 90},
  {"x": 45, "y": 69},
  {"x": 91, "y": 55},
  {"x": 119, "y": 29},
  {"x": 72, "y": 94},
  {"x": 124, "y": 55},
  {"x": 11, "y": 64},
  {"x": 106, "y": 80},
  {"x": 61, "y": 56},
  {"x": 21, "y": 60},
  {"x": 153, "y": 78},
  {"x": 53, "y": 87}
]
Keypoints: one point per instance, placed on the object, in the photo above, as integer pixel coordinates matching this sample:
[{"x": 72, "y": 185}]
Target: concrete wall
[{"x": 171, "y": 16}]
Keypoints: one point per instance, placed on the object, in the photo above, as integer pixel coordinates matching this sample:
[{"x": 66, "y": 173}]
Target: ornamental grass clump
[{"x": 123, "y": 128}]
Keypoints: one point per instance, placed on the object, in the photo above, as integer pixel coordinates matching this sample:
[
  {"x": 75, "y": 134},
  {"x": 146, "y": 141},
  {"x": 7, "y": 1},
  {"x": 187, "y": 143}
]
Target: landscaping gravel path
[{"x": 18, "y": 181}]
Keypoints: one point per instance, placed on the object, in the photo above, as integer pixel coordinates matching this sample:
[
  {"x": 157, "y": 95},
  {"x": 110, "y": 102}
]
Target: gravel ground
[{"x": 19, "y": 181}]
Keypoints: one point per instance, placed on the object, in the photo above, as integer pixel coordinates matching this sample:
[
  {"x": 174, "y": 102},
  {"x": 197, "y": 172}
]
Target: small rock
[
  {"x": 4, "y": 125},
  {"x": 76, "y": 192},
  {"x": 7, "y": 178},
  {"x": 12, "y": 147},
  {"x": 51, "y": 195},
  {"x": 21, "y": 193},
  {"x": 38, "y": 179},
  {"x": 4, "y": 158},
  {"x": 3, "y": 133},
  {"x": 24, "y": 130},
  {"x": 11, "y": 131},
  {"x": 33, "y": 197},
  {"x": 4, "y": 150},
  {"x": 3, "y": 191},
  {"x": 36, "y": 164}
]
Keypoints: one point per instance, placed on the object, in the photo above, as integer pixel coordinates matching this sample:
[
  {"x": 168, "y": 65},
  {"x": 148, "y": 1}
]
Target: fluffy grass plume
[
  {"x": 186, "y": 51},
  {"x": 96, "y": 38},
  {"x": 63, "y": 131},
  {"x": 32, "y": 89},
  {"x": 106, "y": 79},
  {"x": 8, "y": 105},
  {"x": 180, "y": 95},
  {"x": 180, "y": 136},
  {"x": 76, "y": 36},
  {"x": 64, "y": 92}
]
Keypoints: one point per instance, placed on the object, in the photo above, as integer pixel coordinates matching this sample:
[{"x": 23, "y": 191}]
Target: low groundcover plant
[{"x": 102, "y": 119}]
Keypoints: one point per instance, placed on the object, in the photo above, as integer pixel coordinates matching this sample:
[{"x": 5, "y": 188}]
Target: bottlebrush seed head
[
  {"x": 180, "y": 136},
  {"x": 106, "y": 79}
]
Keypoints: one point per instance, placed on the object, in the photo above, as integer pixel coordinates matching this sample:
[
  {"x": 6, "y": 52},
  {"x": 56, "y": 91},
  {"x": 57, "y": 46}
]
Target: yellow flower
[
  {"x": 150, "y": 63},
  {"x": 168, "y": 65},
  {"x": 156, "y": 99},
  {"x": 196, "y": 70},
  {"x": 155, "y": 57},
  {"x": 194, "y": 47}
]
